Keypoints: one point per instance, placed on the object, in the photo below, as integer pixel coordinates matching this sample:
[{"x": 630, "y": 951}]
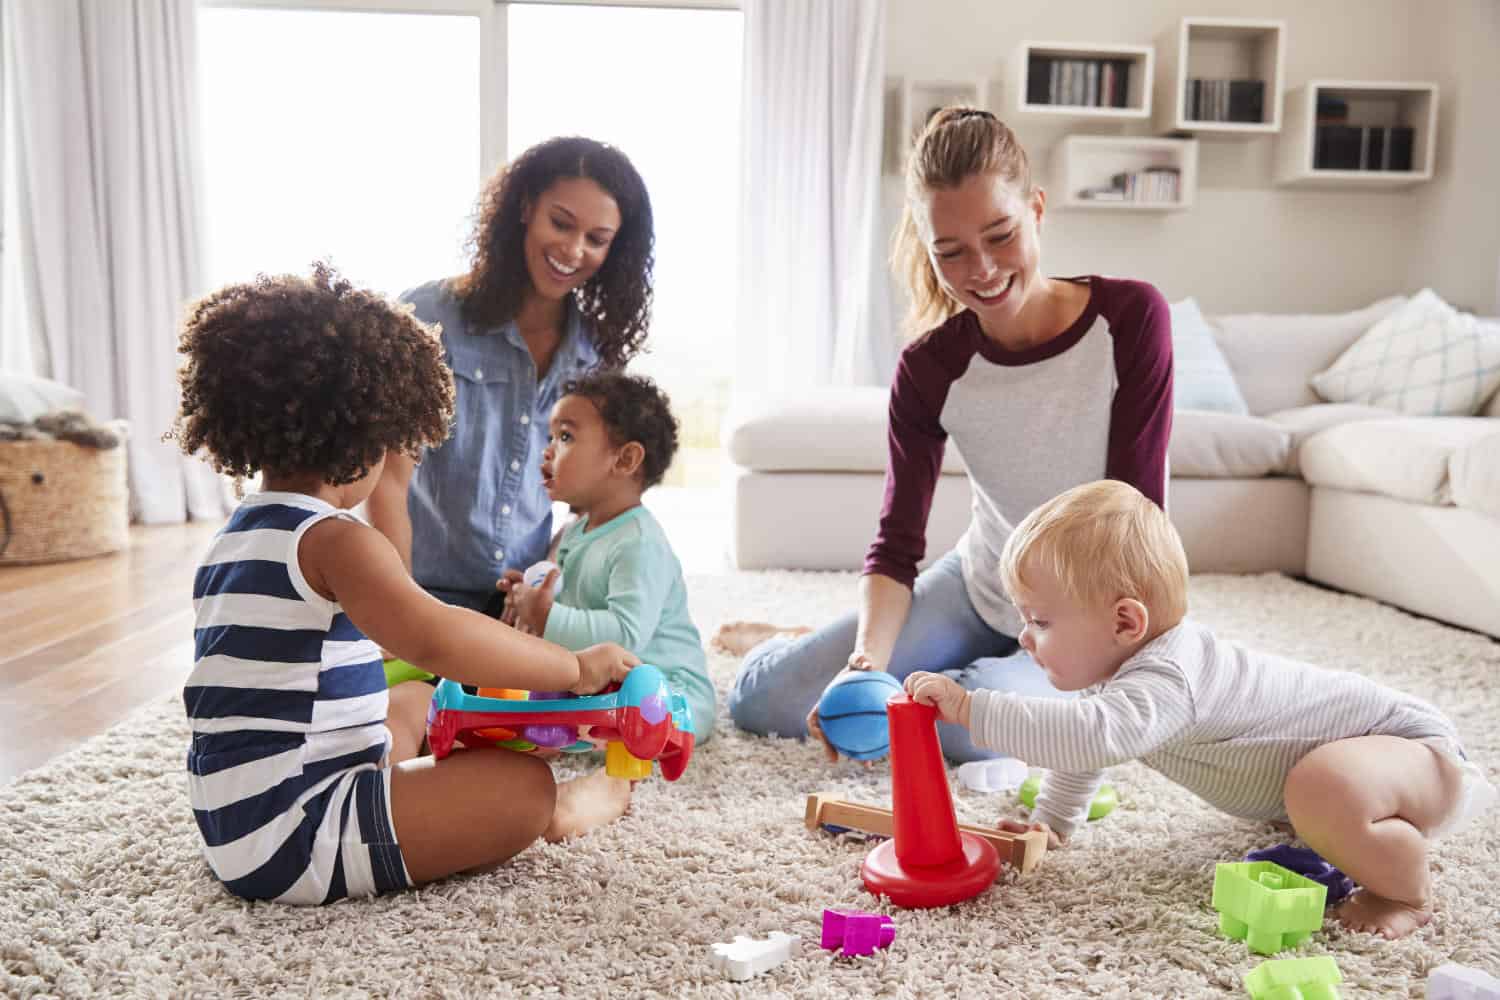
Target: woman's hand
[
  {"x": 528, "y": 607},
  {"x": 942, "y": 693},
  {"x": 1054, "y": 840},
  {"x": 602, "y": 665},
  {"x": 858, "y": 662}
]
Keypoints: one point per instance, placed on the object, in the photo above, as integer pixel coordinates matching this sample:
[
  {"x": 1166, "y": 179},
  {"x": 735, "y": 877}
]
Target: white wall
[
  {"x": 1246, "y": 244},
  {"x": 1459, "y": 250}
]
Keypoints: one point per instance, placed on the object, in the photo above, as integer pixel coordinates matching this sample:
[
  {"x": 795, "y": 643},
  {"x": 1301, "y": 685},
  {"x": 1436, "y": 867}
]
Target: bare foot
[
  {"x": 738, "y": 638},
  {"x": 1365, "y": 911},
  {"x": 587, "y": 803}
]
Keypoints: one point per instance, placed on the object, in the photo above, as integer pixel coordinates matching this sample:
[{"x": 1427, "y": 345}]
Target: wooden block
[{"x": 1022, "y": 851}]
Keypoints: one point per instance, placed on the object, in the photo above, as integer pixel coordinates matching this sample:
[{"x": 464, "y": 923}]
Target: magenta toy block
[{"x": 856, "y": 933}]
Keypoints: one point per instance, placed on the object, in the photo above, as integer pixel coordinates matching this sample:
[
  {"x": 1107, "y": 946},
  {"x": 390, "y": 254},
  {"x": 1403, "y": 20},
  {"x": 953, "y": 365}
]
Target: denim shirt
[{"x": 476, "y": 502}]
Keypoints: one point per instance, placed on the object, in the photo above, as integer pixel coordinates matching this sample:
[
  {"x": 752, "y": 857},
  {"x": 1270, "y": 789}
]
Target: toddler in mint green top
[{"x": 611, "y": 437}]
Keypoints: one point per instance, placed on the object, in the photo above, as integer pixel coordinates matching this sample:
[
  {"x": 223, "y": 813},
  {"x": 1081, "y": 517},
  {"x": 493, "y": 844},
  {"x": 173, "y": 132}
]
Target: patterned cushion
[
  {"x": 1425, "y": 359},
  {"x": 1201, "y": 376}
]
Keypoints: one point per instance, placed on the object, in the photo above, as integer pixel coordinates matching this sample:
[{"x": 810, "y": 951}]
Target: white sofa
[{"x": 1402, "y": 509}]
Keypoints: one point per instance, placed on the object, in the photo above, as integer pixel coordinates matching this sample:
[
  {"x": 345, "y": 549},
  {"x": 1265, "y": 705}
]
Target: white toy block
[
  {"x": 1460, "y": 982},
  {"x": 1002, "y": 775},
  {"x": 746, "y": 957}
]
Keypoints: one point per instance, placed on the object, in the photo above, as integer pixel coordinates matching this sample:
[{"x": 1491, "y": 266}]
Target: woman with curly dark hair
[
  {"x": 560, "y": 283},
  {"x": 303, "y": 771}
]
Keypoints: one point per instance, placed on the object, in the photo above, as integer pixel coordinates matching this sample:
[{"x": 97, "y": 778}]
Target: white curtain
[
  {"x": 108, "y": 172},
  {"x": 814, "y": 307}
]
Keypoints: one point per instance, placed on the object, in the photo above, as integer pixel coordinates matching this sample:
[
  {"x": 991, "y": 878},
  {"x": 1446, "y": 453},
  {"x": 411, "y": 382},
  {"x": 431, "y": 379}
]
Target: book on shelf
[
  {"x": 1083, "y": 83},
  {"x": 1155, "y": 184},
  {"x": 1225, "y": 100},
  {"x": 1363, "y": 147}
]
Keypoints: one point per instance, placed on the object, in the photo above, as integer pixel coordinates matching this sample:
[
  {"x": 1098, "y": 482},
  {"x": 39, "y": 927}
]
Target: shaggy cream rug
[{"x": 102, "y": 890}]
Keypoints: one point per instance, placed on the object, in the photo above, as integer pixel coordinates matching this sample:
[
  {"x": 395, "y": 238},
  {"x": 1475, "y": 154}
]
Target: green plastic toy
[
  {"x": 1295, "y": 979},
  {"x": 1266, "y": 906},
  {"x": 397, "y": 671},
  {"x": 1104, "y": 802}
]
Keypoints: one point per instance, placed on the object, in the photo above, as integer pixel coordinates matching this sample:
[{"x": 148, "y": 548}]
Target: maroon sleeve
[
  {"x": 1140, "y": 422},
  {"x": 916, "y": 440}
]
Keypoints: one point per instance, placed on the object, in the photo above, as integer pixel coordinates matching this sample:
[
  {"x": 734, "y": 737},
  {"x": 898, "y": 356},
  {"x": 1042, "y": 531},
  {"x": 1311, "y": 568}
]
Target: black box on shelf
[
  {"x": 1038, "y": 80},
  {"x": 1337, "y": 147},
  {"x": 1247, "y": 100},
  {"x": 1400, "y": 141}
]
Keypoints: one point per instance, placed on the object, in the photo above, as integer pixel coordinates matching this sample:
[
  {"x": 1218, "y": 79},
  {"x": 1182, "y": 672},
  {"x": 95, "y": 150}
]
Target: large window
[
  {"x": 664, "y": 86},
  {"x": 342, "y": 135},
  {"x": 356, "y": 137}
]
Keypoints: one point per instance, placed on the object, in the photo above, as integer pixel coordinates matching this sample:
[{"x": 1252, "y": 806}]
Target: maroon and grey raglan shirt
[{"x": 1092, "y": 403}]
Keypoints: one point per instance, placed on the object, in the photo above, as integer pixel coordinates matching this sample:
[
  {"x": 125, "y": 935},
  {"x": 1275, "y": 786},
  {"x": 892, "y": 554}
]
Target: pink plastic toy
[{"x": 857, "y": 933}]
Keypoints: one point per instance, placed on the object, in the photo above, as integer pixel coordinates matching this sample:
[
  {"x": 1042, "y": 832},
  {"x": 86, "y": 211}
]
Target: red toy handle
[{"x": 926, "y": 826}]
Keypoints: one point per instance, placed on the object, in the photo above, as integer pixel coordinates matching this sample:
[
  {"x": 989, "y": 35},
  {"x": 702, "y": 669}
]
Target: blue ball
[{"x": 852, "y": 714}]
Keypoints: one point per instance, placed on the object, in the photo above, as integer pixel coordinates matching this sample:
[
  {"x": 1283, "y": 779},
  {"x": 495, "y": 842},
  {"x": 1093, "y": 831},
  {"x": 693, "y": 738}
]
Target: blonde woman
[{"x": 1042, "y": 383}]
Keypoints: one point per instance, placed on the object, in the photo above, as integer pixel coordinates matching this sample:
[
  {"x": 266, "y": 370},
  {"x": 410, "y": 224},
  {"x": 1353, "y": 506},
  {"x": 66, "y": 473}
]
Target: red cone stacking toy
[{"x": 930, "y": 862}]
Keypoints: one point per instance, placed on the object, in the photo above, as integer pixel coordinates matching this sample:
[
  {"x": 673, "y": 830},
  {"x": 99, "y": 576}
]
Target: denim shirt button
[
  {"x": 525, "y": 420},
  {"x": 515, "y": 464},
  {"x": 499, "y": 555},
  {"x": 479, "y": 373},
  {"x": 505, "y": 509}
]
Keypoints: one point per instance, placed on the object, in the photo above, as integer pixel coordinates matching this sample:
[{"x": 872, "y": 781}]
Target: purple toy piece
[
  {"x": 1310, "y": 864},
  {"x": 550, "y": 734},
  {"x": 857, "y": 933}
]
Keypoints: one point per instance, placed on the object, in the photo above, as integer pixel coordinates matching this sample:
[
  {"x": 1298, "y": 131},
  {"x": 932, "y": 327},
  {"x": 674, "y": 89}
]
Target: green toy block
[
  {"x": 1295, "y": 979},
  {"x": 397, "y": 671},
  {"x": 1104, "y": 802},
  {"x": 1266, "y": 906}
]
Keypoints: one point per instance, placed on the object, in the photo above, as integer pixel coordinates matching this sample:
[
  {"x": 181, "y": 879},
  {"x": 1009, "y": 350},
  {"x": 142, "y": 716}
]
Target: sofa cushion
[
  {"x": 1474, "y": 473},
  {"x": 1201, "y": 379},
  {"x": 1425, "y": 359},
  {"x": 1208, "y": 445},
  {"x": 1404, "y": 457},
  {"x": 1305, "y": 421},
  {"x": 1274, "y": 356},
  {"x": 826, "y": 429}
]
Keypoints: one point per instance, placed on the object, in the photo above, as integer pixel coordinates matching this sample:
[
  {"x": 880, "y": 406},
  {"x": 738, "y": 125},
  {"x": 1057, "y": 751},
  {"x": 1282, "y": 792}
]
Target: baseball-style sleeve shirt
[{"x": 1094, "y": 402}]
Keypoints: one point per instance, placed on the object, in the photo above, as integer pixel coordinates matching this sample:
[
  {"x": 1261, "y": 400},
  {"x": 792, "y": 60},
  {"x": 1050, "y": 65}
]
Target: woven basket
[{"x": 60, "y": 500}]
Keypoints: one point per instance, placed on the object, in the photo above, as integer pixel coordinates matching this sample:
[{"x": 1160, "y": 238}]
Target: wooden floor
[{"x": 84, "y": 644}]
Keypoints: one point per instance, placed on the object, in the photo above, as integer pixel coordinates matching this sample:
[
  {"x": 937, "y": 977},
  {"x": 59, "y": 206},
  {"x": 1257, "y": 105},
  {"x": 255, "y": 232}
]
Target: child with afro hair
[
  {"x": 303, "y": 772},
  {"x": 612, "y": 437}
]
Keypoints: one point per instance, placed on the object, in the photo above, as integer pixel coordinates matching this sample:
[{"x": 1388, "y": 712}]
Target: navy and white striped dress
[{"x": 287, "y": 702}]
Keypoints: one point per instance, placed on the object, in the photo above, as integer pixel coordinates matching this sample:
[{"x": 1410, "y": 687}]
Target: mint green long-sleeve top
[{"x": 622, "y": 583}]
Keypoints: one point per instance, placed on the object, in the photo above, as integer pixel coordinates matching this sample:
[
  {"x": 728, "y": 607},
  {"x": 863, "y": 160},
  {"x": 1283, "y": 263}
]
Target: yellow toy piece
[{"x": 621, "y": 763}]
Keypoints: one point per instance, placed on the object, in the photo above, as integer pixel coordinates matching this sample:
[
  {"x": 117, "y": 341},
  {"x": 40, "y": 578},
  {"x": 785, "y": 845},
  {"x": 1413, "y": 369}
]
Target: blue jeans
[{"x": 782, "y": 679}]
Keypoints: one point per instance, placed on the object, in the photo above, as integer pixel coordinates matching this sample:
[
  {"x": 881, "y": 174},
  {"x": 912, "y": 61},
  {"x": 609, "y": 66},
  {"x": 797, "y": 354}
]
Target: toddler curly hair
[
  {"x": 633, "y": 408},
  {"x": 289, "y": 374}
]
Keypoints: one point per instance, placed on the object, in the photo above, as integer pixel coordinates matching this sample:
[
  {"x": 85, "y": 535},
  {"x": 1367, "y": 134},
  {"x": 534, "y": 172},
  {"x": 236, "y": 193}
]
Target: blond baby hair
[{"x": 1102, "y": 541}]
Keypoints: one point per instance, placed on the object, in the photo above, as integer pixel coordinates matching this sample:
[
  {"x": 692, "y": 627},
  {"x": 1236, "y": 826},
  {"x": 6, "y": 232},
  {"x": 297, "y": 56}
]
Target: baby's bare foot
[
  {"x": 587, "y": 803},
  {"x": 738, "y": 638},
  {"x": 1365, "y": 911}
]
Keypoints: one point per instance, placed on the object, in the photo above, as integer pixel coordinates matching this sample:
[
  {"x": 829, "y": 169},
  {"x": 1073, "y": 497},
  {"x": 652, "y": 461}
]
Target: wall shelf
[
  {"x": 1372, "y": 110},
  {"x": 1084, "y": 80},
  {"x": 1092, "y": 162},
  {"x": 920, "y": 99},
  {"x": 1223, "y": 54}
]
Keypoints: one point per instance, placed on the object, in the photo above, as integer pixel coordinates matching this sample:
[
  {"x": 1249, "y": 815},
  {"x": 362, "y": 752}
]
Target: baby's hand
[
  {"x": 1054, "y": 840},
  {"x": 532, "y": 605},
  {"x": 601, "y": 665},
  {"x": 942, "y": 693}
]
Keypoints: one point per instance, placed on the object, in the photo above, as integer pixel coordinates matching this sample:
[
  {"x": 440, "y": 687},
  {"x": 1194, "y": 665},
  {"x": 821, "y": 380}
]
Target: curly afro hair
[
  {"x": 633, "y": 409},
  {"x": 617, "y": 300},
  {"x": 292, "y": 374}
]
